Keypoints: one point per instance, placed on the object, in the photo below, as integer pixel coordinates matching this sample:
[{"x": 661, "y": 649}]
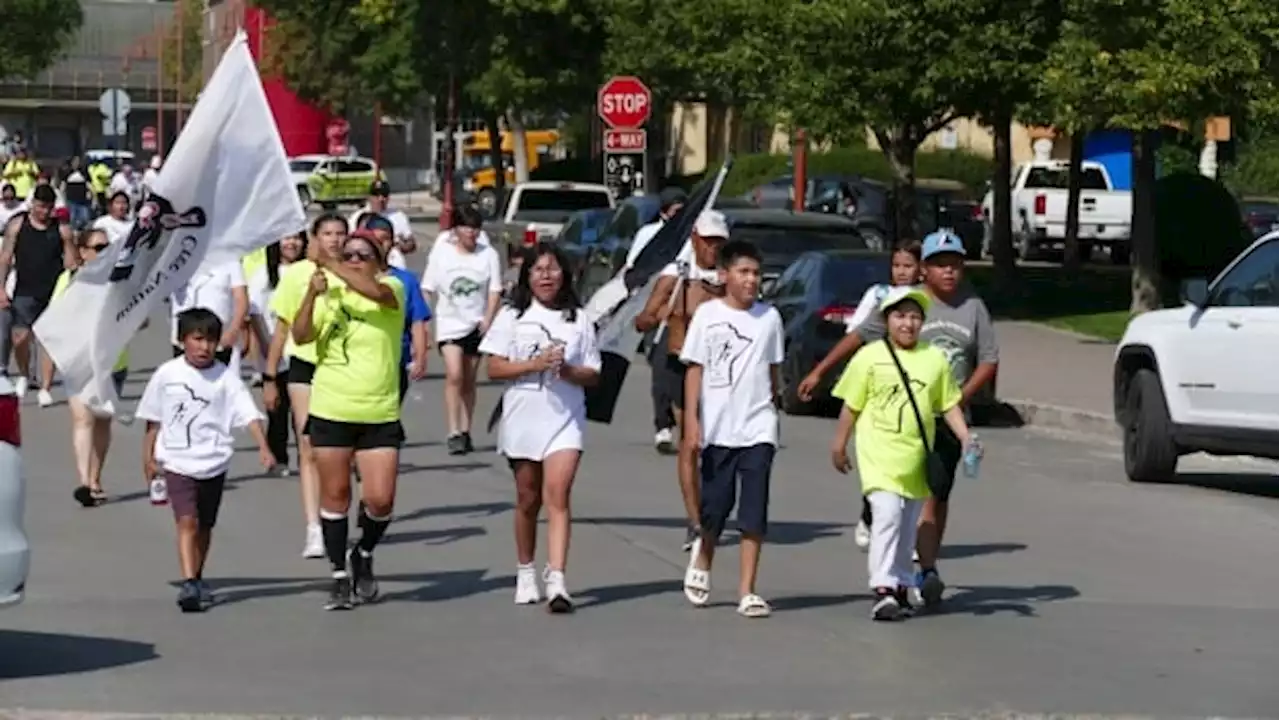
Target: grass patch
[{"x": 1095, "y": 301}]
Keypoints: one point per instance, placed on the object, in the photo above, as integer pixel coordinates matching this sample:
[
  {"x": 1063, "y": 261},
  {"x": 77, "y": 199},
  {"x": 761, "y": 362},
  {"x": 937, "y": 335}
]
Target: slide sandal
[
  {"x": 697, "y": 583},
  {"x": 754, "y": 606}
]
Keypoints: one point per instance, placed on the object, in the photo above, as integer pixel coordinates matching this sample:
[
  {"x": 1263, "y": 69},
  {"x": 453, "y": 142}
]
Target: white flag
[{"x": 224, "y": 190}]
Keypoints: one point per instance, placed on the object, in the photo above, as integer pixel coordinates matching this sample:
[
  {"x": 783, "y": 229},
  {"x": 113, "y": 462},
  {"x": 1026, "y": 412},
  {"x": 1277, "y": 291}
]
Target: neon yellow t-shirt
[
  {"x": 287, "y": 298},
  {"x": 254, "y": 261},
  {"x": 358, "y": 344},
  {"x": 887, "y": 439},
  {"x": 59, "y": 287}
]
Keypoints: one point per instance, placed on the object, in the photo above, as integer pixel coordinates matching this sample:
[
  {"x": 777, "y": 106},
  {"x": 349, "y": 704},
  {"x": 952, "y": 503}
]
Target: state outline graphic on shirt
[
  {"x": 892, "y": 398},
  {"x": 186, "y": 406},
  {"x": 529, "y": 347},
  {"x": 725, "y": 345}
]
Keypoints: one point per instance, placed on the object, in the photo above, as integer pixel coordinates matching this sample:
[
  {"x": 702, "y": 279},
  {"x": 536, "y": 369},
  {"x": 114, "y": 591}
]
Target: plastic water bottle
[
  {"x": 972, "y": 457},
  {"x": 159, "y": 491}
]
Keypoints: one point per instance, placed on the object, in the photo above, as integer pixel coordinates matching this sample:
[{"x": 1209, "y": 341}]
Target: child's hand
[
  {"x": 266, "y": 457},
  {"x": 840, "y": 459},
  {"x": 151, "y": 470}
]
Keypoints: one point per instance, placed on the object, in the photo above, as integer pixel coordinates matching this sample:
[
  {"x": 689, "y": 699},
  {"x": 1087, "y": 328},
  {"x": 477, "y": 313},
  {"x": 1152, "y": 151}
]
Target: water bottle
[
  {"x": 159, "y": 491},
  {"x": 972, "y": 457}
]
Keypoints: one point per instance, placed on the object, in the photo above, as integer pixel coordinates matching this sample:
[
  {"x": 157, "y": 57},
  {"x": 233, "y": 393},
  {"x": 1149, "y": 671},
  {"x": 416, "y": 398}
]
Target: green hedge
[{"x": 751, "y": 170}]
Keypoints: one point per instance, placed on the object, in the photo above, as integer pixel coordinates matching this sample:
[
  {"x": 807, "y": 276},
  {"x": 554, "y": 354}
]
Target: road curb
[{"x": 1038, "y": 414}]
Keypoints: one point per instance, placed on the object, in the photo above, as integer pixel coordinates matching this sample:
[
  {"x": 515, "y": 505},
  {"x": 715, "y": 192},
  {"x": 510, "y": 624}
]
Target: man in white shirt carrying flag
[{"x": 224, "y": 191}]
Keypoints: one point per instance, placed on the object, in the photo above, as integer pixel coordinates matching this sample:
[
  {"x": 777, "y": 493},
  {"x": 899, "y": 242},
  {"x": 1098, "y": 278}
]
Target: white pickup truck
[
  {"x": 1039, "y": 204},
  {"x": 535, "y": 211}
]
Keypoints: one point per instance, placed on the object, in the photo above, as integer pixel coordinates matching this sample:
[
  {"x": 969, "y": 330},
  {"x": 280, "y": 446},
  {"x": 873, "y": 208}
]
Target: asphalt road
[{"x": 1073, "y": 591}]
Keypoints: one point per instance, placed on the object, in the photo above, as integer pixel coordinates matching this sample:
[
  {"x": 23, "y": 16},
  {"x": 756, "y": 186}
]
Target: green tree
[
  {"x": 1143, "y": 63},
  {"x": 36, "y": 33},
  {"x": 183, "y": 50}
]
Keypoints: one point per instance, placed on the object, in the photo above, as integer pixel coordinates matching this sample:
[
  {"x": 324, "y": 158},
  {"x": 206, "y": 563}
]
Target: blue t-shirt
[{"x": 416, "y": 308}]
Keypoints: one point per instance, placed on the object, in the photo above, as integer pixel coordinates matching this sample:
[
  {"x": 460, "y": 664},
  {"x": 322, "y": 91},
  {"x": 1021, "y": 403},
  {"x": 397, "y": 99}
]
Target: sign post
[
  {"x": 624, "y": 103},
  {"x": 114, "y": 104}
]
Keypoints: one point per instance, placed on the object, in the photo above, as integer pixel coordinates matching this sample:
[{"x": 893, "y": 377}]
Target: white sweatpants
[{"x": 893, "y": 537}]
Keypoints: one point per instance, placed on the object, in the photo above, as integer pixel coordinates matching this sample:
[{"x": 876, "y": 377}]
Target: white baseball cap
[{"x": 712, "y": 224}]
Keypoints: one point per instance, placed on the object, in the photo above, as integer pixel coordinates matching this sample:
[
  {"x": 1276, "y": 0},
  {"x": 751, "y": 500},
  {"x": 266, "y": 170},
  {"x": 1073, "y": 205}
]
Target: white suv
[
  {"x": 15, "y": 554},
  {"x": 1204, "y": 377}
]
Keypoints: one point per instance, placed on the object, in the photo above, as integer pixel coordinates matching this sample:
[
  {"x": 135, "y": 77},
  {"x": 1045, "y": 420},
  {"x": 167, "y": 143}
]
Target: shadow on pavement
[
  {"x": 433, "y": 537},
  {"x": 1256, "y": 484},
  {"x": 471, "y": 510},
  {"x": 959, "y": 552},
  {"x": 780, "y": 532},
  {"x": 610, "y": 594},
  {"x": 992, "y": 599},
  {"x": 33, "y": 654},
  {"x": 446, "y": 585},
  {"x": 458, "y": 467},
  {"x": 810, "y": 602}
]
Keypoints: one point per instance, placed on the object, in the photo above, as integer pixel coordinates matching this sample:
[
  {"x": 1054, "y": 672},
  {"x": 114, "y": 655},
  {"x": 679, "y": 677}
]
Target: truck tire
[
  {"x": 1150, "y": 453},
  {"x": 304, "y": 196},
  {"x": 1120, "y": 252},
  {"x": 1084, "y": 251},
  {"x": 791, "y": 402}
]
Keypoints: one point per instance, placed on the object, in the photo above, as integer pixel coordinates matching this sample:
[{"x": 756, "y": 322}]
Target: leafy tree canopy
[{"x": 36, "y": 32}]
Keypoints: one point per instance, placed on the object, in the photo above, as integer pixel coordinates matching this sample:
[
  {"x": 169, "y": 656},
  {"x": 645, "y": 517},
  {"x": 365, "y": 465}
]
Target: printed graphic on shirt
[
  {"x": 532, "y": 339},
  {"x": 725, "y": 347},
  {"x": 185, "y": 406},
  {"x": 462, "y": 286},
  {"x": 337, "y": 336},
  {"x": 890, "y": 401},
  {"x": 953, "y": 340}
]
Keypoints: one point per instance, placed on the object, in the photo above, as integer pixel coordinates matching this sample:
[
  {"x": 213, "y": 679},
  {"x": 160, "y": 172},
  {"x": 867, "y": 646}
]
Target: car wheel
[
  {"x": 1119, "y": 253},
  {"x": 304, "y": 196},
  {"x": 1150, "y": 453},
  {"x": 791, "y": 377},
  {"x": 487, "y": 201}
]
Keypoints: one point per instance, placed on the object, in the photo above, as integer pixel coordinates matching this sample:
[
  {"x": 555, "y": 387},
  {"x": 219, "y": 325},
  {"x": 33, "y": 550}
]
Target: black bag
[{"x": 935, "y": 469}]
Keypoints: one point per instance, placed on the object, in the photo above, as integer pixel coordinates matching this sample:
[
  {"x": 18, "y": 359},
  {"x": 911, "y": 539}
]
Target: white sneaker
[
  {"x": 527, "y": 592},
  {"x": 558, "y": 598},
  {"x": 20, "y": 387},
  {"x": 862, "y": 536},
  {"x": 664, "y": 441},
  {"x": 314, "y": 547},
  {"x": 45, "y": 398}
]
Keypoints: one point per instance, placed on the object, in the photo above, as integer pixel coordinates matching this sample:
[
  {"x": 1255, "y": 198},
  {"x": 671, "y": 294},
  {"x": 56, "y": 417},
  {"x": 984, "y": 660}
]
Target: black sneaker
[
  {"x": 189, "y": 599},
  {"x": 366, "y": 585},
  {"x": 339, "y": 594},
  {"x": 886, "y": 608},
  {"x": 456, "y": 445},
  {"x": 467, "y": 446},
  {"x": 691, "y": 536},
  {"x": 903, "y": 596}
]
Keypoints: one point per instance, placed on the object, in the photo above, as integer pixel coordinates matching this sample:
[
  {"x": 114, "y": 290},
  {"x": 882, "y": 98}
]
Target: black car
[
  {"x": 782, "y": 236},
  {"x": 817, "y": 296}
]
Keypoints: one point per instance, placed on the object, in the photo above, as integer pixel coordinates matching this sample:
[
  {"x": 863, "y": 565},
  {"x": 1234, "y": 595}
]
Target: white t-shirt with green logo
[{"x": 462, "y": 283}]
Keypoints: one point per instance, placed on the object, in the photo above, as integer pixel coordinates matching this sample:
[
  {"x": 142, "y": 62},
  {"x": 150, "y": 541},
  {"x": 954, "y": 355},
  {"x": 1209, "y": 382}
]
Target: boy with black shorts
[
  {"x": 733, "y": 349},
  {"x": 191, "y": 403}
]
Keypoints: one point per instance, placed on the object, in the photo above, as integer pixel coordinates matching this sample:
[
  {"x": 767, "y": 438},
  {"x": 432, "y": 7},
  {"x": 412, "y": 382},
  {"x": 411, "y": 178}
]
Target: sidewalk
[
  {"x": 1056, "y": 378},
  {"x": 419, "y": 205}
]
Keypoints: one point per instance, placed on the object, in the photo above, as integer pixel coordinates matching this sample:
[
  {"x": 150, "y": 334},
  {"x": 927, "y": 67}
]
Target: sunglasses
[
  {"x": 355, "y": 256},
  {"x": 96, "y": 248}
]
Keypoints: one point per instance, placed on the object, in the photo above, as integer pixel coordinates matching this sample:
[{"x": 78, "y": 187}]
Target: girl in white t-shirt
[
  {"x": 116, "y": 222},
  {"x": 544, "y": 347},
  {"x": 262, "y": 287},
  {"x": 464, "y": 280},
  {"x": 904, "y": 269}
]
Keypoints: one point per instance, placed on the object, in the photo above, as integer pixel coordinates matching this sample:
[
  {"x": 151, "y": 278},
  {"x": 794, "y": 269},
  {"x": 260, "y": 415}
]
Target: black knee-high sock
[
  {"x": 866, "y": 512},
  {"x": 335, "y": 540},
  {"x": 374, "y": 528}
]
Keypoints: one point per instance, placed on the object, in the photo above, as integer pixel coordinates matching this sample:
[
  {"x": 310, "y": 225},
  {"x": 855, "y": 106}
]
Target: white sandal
[
  {"x": 697, "y": 582},
  {"x": 754, "y": 606}
]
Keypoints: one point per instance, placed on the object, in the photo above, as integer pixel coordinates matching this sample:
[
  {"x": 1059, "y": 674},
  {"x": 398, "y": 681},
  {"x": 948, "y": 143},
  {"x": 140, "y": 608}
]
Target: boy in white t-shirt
[
  {"x": 733, "y": 348},
  {"x": 191, "y": 403}
]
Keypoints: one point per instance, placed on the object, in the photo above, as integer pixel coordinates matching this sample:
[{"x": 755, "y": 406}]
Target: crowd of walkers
[{"x": 334, "y": 330}]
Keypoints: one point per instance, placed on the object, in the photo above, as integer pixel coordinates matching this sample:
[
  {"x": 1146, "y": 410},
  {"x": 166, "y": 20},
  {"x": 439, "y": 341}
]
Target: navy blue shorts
[{"x": 737, "y": 475}]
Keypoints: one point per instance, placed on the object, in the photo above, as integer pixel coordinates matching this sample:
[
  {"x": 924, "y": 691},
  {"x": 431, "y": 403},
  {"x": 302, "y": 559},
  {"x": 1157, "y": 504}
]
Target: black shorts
[
  {"x": 223, "y": 355},
  {"x": 673, "y": 374},
  {"x": 950, "y": 451},
  {"x": 737, "y": 475},
  {"x": 300, "y": 371},
  {"x": 470, "y": 343},
  {"x": 358, "y": 436},
  {"x": 404, "y": 384},
  {"x": 192, "y": 498},
  {"x": 25, "y": 310}
]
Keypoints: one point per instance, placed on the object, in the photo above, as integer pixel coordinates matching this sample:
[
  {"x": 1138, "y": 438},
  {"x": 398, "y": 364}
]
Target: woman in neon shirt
[{"x": 355, "y": 404}]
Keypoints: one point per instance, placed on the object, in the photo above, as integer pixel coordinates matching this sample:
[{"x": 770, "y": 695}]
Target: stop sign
[{"x": 624, "y": 102}]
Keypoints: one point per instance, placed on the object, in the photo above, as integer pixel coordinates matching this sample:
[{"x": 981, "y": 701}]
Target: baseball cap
[
  {"x": 712, "y": 224},
  {"x": 900, "y": 293},
  {"x": 671, "y": 196},
  {"x": 380, "y": 187},
  {"x": 939, "y": 242},
  {"x": 377, "y": 222}
]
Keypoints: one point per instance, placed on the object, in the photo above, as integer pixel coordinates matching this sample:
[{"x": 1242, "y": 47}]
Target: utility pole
[{"x": 451, "y": 124}]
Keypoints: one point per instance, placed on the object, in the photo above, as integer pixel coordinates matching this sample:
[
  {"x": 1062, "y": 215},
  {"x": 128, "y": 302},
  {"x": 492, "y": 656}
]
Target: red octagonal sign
[{"x": 624, "y": 102}]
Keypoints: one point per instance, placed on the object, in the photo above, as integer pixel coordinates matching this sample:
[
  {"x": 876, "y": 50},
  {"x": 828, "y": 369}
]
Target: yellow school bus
[{"x": 477, "y": 162}]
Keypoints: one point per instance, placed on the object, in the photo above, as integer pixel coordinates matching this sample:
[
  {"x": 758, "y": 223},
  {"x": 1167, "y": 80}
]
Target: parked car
[
  {"x": 15, "y": 553},
  {"x": 331, "y": 181},
  {"x": 580, "y": 234},
  {"x": 1202, "y": 377},
  {"x": 631, "y": 214},
  {"x": 539, "y": 210},
  {"x": 1262, "y": 215},
  {"x": 816, "y": 296},
  {"x": 782, "y": 236}
]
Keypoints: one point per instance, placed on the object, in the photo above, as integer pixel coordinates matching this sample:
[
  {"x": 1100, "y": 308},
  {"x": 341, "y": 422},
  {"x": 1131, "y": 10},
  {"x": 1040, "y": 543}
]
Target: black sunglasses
[
  {"x": 97, "y": 248},
  {"x": 350, "y": 255}
]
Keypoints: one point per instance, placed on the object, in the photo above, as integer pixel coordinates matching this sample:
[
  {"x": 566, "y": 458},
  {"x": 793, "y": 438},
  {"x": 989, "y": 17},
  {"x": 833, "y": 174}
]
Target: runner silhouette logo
[{"x": 155, "y": 218}]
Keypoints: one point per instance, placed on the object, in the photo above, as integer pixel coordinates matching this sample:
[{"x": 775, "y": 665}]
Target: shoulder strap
[{"x": 906, "y": 386}]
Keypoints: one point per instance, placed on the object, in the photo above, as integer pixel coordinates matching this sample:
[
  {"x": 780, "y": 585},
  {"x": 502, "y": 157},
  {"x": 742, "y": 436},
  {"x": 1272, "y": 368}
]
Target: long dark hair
[
  {"x": 522, "y": 295},
  {"x": 274, "y": 257}
]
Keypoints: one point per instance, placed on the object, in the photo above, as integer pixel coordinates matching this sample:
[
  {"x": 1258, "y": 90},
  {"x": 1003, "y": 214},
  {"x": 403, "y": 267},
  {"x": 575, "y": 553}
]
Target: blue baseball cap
[
  {"x": 939, "y": 242},
  {"x": 377, "y": 222}
]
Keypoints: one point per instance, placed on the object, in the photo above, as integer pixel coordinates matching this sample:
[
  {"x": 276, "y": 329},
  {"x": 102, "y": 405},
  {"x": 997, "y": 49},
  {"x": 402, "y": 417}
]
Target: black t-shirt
[{"x": 76, "y": 186}]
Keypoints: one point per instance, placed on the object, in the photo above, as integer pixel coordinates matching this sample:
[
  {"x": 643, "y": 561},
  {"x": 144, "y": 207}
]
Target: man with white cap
[{"x": 682, "y": 286}]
